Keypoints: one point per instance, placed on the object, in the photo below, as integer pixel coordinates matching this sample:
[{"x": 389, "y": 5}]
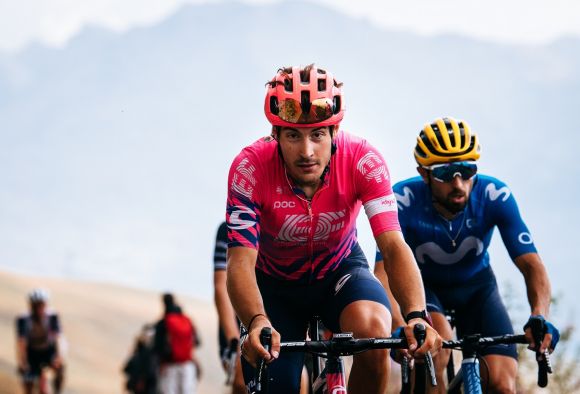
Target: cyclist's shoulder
[
  {"x": 412, "y": 186},
  {"x": 490, "y": 189},
  {"x": 348, "y": 143},
  {"x": 222, "y": 232},
  {"x": 260, "y": 147}
]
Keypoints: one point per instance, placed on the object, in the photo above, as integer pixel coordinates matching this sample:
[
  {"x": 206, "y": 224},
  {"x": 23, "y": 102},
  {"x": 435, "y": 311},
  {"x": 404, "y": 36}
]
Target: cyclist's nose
[{"x": 307, "y": 148}]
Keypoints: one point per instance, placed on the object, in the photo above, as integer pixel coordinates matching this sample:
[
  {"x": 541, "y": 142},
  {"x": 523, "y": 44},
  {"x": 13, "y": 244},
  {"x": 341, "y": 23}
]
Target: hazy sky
[{"x": 527, "y": 21}]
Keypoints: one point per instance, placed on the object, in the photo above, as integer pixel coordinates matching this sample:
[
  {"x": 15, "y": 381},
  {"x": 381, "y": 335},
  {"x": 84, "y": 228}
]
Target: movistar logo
[
  {"x": 493, "y": 193},
  {"x": 405, "y": 198},
  {"x": 438, "y": 255}
]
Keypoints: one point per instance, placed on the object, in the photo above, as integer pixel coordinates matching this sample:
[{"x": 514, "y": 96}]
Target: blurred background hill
[{"x": 100, "y": 323}]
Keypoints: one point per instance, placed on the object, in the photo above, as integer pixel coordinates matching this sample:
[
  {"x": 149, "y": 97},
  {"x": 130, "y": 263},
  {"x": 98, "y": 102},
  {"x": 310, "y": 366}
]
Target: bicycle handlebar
[{"x": 478, "y": 342}]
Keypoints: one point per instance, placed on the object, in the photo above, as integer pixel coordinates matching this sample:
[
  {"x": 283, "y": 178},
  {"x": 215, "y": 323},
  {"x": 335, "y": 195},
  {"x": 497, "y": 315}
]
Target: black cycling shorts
[
  {"x": 37, "y": 360},
  {"x": 478, "y": 309},
  {"x": 291, "y": 306}
]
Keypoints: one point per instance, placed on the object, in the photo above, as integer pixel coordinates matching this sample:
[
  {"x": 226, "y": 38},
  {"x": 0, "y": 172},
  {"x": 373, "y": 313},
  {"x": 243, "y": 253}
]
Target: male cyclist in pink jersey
[{"x": 293, "y": 200}]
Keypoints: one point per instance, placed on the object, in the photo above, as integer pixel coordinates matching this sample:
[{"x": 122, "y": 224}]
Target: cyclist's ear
[{"x": 424, "y": 174}]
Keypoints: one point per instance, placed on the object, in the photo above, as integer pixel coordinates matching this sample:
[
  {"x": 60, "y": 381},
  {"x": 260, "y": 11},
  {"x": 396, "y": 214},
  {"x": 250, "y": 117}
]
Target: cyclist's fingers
[
  {"x": 275, "y": 349},
  {"x": 431, "y": 344},
  {"x": 546, "y": 343},
  {"x": 411, "y": 341},
  {"x": 530, "y": 339}
]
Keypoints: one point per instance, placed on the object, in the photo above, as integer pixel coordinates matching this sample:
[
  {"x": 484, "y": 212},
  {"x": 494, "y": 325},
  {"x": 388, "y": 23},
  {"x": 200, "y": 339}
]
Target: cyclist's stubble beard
[{"x": 444, "y": 198}]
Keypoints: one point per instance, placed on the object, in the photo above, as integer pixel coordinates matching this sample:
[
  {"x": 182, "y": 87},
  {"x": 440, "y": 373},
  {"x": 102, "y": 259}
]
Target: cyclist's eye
[{"x": 317, "y": 135}]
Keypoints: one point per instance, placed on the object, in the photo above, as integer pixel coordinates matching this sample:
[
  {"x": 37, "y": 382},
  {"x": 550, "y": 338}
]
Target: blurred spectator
[
  {"x": 174, "y": 343},
  {"x": 141, "y": 368}
]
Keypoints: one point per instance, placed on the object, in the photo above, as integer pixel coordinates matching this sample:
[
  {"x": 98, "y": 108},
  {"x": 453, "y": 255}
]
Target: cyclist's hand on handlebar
[
  {"x": 252, "y": 349},
  {"x": 432, "y": 343},
  {"x": 550, "y": 334},
  {"x": 398, "y": 354}
]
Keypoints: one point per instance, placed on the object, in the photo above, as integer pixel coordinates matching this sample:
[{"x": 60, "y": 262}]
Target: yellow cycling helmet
[{"x": 446, "y": 140}]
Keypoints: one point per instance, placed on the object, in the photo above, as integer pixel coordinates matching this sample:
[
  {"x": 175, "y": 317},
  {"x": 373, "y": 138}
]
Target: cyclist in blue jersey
[{"x": 447, "y": 216}]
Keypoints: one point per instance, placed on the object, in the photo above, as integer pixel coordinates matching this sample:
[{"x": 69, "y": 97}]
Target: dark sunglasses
[
  {"x": 291, "y": 111},
  {"x": 448, "y": 171}
]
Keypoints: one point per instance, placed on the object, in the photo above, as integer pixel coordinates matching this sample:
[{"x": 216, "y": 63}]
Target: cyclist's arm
[
  {"x": 381, "y": 275},
  {"x": 226, "y": 315},
  {"x": 402, "y": 271},
  {"x": 407, "y": 286},
  {"x": 21, "y": 353},
  {"x": 247, "y": 302},
  {"x": 537, "y": 282}
]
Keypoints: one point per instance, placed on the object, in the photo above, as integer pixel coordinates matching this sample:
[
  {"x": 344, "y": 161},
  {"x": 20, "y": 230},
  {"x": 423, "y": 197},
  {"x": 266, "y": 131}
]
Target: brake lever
[{"x": 420, "y": 333}]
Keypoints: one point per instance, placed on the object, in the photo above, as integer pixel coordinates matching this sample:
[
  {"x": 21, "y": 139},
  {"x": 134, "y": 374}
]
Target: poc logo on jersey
[
  {"x": 372, "y": 167},
  {"x": 284, "y": 204}
]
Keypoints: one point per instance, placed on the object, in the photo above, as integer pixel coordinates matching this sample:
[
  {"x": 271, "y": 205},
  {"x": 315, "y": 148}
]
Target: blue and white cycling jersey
[{"x": 452, "y": 251}]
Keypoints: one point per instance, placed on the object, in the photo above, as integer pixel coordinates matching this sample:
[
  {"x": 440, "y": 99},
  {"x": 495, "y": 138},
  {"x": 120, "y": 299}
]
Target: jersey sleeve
[
  {"x": 21, "y": 327},
  {"x": 221, "y": 247},
  {"x": 54, "y": 323},
  {"x": 243, "y": 206},
  {"x": 373, "y": 185},
  {"x": 514, "y": 232}
]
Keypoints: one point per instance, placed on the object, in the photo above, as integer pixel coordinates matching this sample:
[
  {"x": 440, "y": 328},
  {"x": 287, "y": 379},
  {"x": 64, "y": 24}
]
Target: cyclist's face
[
  {"x": 37, "y": 308},
  {"x": 453, "y": 195},
  {"x": 306, "y": 152}
]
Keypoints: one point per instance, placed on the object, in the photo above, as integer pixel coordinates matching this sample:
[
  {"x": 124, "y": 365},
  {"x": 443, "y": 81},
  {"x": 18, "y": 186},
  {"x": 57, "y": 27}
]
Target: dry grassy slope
[{"x": 100, "y": 322}]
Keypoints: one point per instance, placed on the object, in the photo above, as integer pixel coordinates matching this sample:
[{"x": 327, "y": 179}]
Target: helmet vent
[
  {"x": 288, "y": 85},
  {"x": 274, "y": 105},
  {"x": 336, "y": 104},
  {"x": 305, "y": 75},
  {"x": 305, "y": 100},
  {"x": 321, "y": 85}
]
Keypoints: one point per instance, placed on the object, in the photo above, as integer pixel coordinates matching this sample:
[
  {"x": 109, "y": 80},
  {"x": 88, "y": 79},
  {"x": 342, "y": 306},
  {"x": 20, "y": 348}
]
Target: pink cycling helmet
[{"x": 308, "y": 97}]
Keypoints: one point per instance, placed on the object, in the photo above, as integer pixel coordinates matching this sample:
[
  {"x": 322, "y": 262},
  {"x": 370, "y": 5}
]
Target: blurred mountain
[{"x": 115, "y": 149}]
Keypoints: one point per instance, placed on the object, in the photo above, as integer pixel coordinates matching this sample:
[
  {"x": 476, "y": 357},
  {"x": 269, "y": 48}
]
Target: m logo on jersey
[
  {"x": 296, "y": 228},
  {"x": 404, "y": 200},
  {"x": 438, "y": 255},
  {"x": 238, "y": 223},
  {"x": 243, "y": 181},
  {"x": 372, "y": 167},
  {"x": 493, "y": 194}
]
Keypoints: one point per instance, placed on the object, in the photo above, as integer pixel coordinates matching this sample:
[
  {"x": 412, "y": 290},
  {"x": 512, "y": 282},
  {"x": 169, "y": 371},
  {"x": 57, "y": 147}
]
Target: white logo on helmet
[{"x": 372, "y": 167}]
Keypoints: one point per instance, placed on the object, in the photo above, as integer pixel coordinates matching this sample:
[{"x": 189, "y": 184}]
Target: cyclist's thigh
[
  {"x": 353, "y": 282},
  {"x": 286, "y": 311},
  {"x": 487, "y": 315}
]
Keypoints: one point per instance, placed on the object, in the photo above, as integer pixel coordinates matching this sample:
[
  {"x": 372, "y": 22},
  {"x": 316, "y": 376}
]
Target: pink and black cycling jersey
[{"x": 304, "y": 240}]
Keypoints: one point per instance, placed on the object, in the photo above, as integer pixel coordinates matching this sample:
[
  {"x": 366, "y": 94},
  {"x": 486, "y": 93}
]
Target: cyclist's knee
[
  {"x": 441, "y": 359},
  {"x": 366, "y": 319},
  {"x": 501, "y": 374}
]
